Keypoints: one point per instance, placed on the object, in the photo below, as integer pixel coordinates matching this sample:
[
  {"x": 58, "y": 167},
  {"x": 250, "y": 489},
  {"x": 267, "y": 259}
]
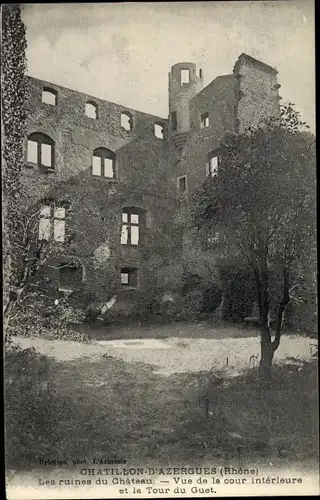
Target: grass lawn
[{"x": 109, "y": 408}]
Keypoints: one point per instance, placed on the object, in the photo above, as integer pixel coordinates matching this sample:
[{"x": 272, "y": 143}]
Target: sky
[{"x": 122, "y": 52}]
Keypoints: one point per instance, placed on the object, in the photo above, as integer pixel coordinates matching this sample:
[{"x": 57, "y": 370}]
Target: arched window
[
  {"x": 127, "y": 121},
  {"x": 41, "y": 150},
  {"x": 91, "y": 110},
  {"x": 49, "y": 96},
  {"x": 104, "y": 163},
  {"x": 158, "y": 130}
]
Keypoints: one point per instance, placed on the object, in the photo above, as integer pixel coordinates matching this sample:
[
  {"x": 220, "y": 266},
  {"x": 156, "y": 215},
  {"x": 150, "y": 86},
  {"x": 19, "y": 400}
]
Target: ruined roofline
[
  {"x": 256, "y": 62},
  {"x": 95, "y": 98},
  {"x": 243, "y": 56},
  {"x": 230, "y": 76}
]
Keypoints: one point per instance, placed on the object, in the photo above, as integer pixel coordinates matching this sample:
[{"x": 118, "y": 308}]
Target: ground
[{"x": 147, "y": 404}]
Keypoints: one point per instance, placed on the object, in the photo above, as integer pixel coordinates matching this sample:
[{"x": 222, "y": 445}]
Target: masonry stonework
[{"x": 147, "y": 170}]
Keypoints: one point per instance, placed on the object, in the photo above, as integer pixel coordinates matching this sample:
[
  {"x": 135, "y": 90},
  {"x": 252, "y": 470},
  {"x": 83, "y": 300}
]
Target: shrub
[
  {"x": 240, "y": 295},
  {"x": 146, "y": 303},
  {"x": 30, "y": 406},
  {"x": 211, "y": 299},
  {"x": 41, "y": 314},
  {"x": 192, "y": 305},
  {"x": 301, "y": 317}
]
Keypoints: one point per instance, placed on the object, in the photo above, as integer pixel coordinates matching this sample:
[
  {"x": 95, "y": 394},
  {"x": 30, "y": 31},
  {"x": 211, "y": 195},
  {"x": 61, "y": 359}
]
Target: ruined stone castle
[{"x": 124, "y": 173}]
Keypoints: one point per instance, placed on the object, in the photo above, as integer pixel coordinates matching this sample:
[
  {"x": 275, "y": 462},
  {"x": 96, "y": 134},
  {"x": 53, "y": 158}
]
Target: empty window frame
[
  {"x": 52, "y": 223},
  {"x": 174, "y": 123},
  {"x": 132, "y": 223},
  {"x": 40, "y": 150},
  {"x": 70, "y": 276},
  {"x": 129, "y": 277},
  {"x": 126, "y": 121},
  {"x": 185, "y": 76},
  {"x": 158, "y": 130},
  {"x": 204, "y": 120},
  {"x": 104, "y": 163},
  {"x": 49, "y": 96},
  {"x": 214, "y": 238},
  {"x": 212, "y": 164},
  {"x": 182, "y": 184},
  {"x": 91, "y": 110}
]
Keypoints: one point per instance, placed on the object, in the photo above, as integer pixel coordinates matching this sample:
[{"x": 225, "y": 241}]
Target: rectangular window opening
[
  {"x": 44, "y": 229},
  {"x": 214, "y": 238},
  {"x": 46, "y": 155},
  {"x": 126, "y": 121},
  {"x": 96, "y": 165},
  {"x": 124, "y": 234},
  {"x": 124, "y": 278},
  {"x": 32, "y": 152},
  {"x": 134, "y": 235},
  {"x": 52, "y": 223},
  {"x": 134, "y": 219},
  {"x": 204, "y": 120},
  {"x": 182, "y": 184},
  {"x": 91, "y": 111},
  {"x": 212, "y": 165},
  {"x": 49, "y": 97},
  {"x": 185, "y": 76},
  {"x": 108, "y": 168},
  {"x": 130, "y": 231},
  {"x": 129, "y": 277},
  {"x": 59, "y": 230},
  {"x": 158, "y": 130},
  {"x": 174, "y": 121}
]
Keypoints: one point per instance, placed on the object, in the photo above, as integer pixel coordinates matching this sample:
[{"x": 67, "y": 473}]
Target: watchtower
[{"x": 184, "y": 84}]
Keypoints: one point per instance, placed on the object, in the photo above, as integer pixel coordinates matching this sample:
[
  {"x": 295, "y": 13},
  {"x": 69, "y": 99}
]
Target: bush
[
  {"x": 40, "y": 314},
  {"x": 301, "y": 317},
  {"x": 30, "y": 406},
  {"x": 211, "y": 299},
  {"x": 240, "y": 295},
  {"x": 192, "y": 305},
  {"x": 147, "y": 303}
]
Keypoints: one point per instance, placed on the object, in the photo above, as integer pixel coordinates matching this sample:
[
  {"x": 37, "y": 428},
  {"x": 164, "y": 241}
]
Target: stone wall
[
  {"x": 147, "y": 169},
  {"x": 97, "y": 202},
  {"x": 219, "y": 99},
  {"x": 77, "y": 135},
  {"x": 258, "y": 91}
]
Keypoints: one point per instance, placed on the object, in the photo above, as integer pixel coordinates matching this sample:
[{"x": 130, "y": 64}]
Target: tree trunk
[
  {"x": 258, "y": 289},
  {"x": 10, "y": 306},
  {"x": 220, "y": 311},
  {"x": 265, "y": 335},
  {"x": 282, "y": 307},
  {"x": 267, "y": 353}
]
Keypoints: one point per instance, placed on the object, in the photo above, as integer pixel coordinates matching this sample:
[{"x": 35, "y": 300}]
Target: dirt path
[{"x": 177, "y": 355}]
